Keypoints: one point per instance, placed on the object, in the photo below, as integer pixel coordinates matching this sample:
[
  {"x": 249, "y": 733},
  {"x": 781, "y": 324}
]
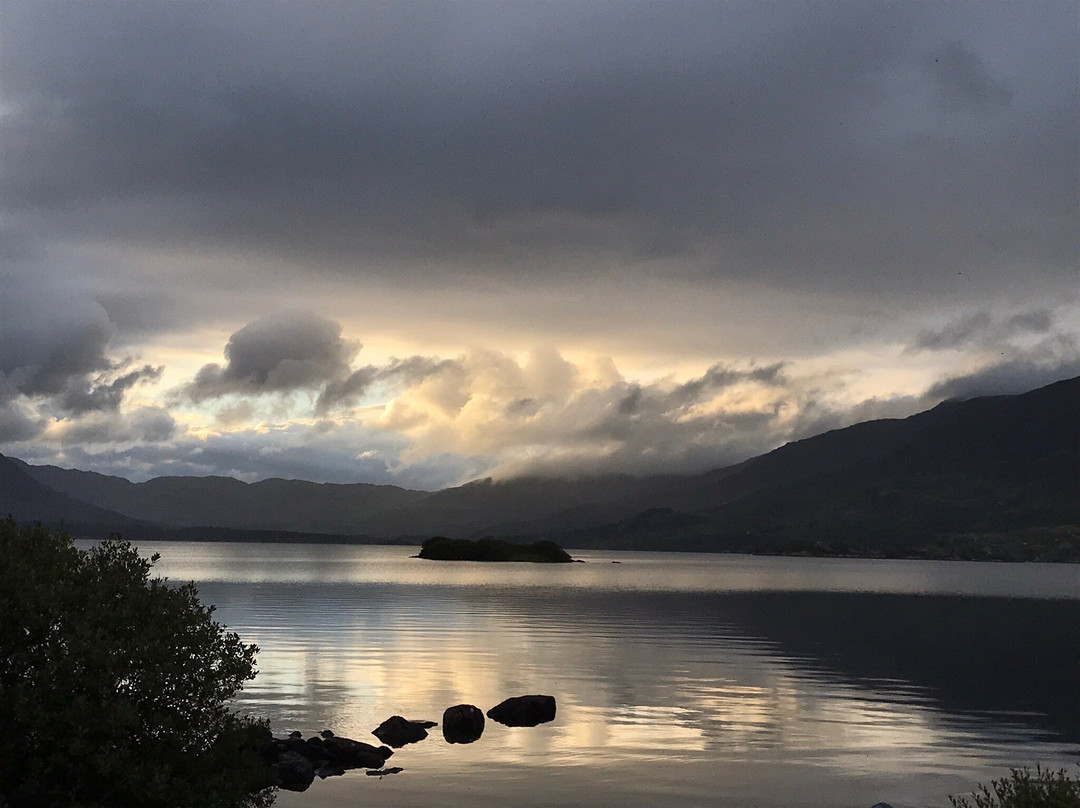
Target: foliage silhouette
[
  {"x": 1046, "y": 789},
  {"x": 113, "y": 684}
]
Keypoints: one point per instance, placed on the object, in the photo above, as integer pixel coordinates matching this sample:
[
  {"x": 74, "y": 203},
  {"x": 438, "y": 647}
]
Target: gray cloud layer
[{"x": 724, "y": 133}]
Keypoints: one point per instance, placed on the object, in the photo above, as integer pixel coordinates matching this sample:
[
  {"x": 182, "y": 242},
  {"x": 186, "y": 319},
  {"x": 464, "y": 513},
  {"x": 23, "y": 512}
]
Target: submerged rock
[
  {"x": 524, "y": 711},
  {"x": 397, "y": 731},
  {"x": 462, "y": 723},
  {"x": 381, "y": 772}
]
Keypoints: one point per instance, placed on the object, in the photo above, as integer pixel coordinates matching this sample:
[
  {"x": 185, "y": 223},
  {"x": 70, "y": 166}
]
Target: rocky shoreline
[{"x": 299, "y": 760}]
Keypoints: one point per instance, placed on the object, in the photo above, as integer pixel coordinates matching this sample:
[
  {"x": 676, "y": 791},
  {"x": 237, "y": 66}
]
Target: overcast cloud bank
[{"x": 575, "y": 236}]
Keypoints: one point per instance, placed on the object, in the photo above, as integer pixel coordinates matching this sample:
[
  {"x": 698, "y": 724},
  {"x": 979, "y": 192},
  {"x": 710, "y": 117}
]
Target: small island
[{"x": 440, "y": 548}]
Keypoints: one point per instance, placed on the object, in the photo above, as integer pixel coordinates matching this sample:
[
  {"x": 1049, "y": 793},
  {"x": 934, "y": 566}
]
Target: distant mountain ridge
[
  {"x": 25, "y": 499},
  {"x": 274, "y": 504},
  {"x": 984, "y": 466}
]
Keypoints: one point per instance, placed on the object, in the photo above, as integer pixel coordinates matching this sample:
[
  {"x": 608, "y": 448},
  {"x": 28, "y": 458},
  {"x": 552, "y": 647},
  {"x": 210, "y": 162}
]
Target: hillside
[
  {"x": 27, "y": 500},
  {"x": 985, "y": 466},
  {"x": 289, "y": 505}
]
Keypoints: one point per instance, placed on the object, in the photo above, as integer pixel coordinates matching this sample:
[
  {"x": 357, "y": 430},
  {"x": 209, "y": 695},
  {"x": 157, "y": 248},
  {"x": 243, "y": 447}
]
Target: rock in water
[
  {"x": 355, "y": 754},
  {"x": 524, "y": 711},
  {"x": 397, "y": 731},
  {"x": 294, "y": 771},
  {"x": 311, "y": 749},
  {"x": 462, "y": 723}
]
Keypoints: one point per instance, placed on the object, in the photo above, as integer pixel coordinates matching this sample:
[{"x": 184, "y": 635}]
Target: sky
[{"x": 424, "y": 243}]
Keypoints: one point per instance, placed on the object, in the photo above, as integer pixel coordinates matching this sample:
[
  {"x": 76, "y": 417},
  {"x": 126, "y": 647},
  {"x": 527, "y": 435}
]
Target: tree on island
[
  {"x": 440, "y": 548},
  {"x": 113, "y": 685}
]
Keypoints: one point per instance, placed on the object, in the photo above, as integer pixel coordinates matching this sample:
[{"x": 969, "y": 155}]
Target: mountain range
[{"x": 995, "y": 476}]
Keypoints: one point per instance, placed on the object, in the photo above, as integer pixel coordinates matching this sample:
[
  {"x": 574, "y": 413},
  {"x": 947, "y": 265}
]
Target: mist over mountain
[{"x": 996, "y": 466}]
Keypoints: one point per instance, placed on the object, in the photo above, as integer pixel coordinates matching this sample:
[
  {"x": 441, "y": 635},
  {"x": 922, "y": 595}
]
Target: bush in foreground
[
  {"x": 113, "y": 685},
  {"x": 1022, "y": 789}
]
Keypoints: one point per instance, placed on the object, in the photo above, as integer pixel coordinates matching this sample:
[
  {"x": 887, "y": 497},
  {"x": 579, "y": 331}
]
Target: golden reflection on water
[{"x": 662, "y": 693}]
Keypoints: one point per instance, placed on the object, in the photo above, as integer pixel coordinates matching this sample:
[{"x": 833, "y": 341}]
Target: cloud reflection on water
[{"x": 658, "y": 679}]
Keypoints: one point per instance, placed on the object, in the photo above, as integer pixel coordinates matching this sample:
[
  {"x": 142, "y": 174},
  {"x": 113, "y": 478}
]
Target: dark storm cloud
[
  {"x": 103, "y": 394},
  {"x": 277, "y": 353},
  {"x": 982, "y": 328},
  {"x": 49, "y": 345},
  {"x": 57, "y": 365},
  {"x": 399, "y": 372},
  {"x": 347, "y": 389},
  {"x": 721, "y": 131},
  {"x": 658, "y": 400},
  {"x": 720, "y": 376}
]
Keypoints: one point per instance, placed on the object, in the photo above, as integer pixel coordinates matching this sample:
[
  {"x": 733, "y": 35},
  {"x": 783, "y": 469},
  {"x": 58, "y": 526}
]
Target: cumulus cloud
[
  {"x": 548, "y": 415},
  {"x": 48, "y": 345},
  {"x": 275, "y": 354}
]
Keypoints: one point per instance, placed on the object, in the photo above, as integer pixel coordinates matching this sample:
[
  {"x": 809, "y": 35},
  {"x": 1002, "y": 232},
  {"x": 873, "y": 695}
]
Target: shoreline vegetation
[{"x": 1051, "y": 545}]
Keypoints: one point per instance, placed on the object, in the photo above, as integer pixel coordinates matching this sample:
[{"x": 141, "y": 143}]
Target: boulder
[
  {"x": 524, "y": 711},
  {"x": 311, "y": 749},
  {"x": 294, "y": 771},
  {"x": 462, "y": 723},
  {"x": 355, "y": 754},
  {"x": 397, "y": 731}
]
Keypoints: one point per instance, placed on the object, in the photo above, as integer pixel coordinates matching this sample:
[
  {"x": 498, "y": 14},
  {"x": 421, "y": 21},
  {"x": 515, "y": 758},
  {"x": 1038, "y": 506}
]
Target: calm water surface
[{"x": 681, "y": 680}]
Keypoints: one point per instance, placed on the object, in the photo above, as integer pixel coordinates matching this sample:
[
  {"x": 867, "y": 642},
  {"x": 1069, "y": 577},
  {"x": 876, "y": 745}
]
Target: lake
[{"x": 681, "y": 679}]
